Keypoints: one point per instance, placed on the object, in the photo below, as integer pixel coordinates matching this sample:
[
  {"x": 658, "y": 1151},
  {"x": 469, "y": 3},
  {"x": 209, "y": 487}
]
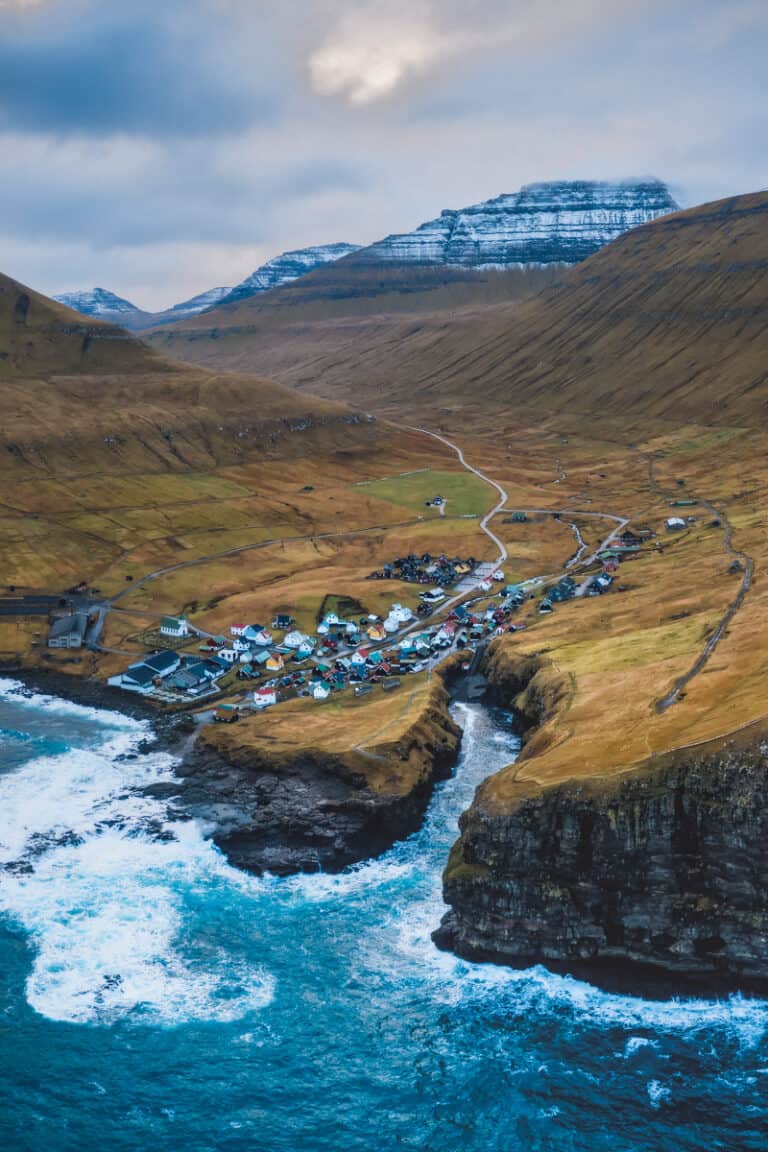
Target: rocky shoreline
[
  {"x": 285, "y": 814},
  {"x": 307, "y": 810},
  {"x": 655, "y": 879}
]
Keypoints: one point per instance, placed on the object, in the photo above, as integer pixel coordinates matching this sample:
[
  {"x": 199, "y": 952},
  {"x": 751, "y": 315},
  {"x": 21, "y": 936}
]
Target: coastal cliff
[
  {"x": 659, "y": 872},
  {"x": 284, "y": 805}
]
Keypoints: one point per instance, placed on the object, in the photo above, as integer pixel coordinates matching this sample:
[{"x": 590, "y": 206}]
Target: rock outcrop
[
  {"x": 660, "y": 872},
  {"x": 561, "y": 222},
  {"x": 305, "y": 810}
]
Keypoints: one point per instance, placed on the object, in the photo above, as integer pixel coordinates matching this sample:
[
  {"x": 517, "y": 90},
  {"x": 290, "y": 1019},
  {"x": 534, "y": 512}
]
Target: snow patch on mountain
[
  {"x": 558, "y": 222},
  {"x": 97, "y": 302},
  {"x": 287, "y": 267},
  {"x": 198, "y": 304}
]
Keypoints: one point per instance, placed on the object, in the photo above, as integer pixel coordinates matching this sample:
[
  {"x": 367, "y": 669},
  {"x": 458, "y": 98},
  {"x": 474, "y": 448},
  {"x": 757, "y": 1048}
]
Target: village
[{"x": 255, "y": 666}]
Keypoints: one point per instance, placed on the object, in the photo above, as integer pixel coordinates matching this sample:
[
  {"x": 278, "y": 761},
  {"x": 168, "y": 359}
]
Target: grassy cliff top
[{"x": 384, "y": 738}]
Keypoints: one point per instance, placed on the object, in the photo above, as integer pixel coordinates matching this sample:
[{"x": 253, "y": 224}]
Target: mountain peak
[
  {"x": 287, "y": 267},
  {"x": 97, "y": 302},
  {"x": 551, "y": 222}
]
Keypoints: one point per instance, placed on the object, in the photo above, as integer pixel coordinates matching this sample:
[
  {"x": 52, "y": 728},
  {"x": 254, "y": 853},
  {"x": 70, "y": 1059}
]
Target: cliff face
[
  {"x": 311, "y": 809},
  {"x": 559, "y": 222},
  {"x": 662, "y": 871}
]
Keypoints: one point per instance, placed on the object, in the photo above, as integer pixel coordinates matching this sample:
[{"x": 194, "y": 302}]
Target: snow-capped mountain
[
  {"x": 557, "y": 222},
  {"x": 197, "y": 304},
  {"x": 283, "y": 269},
  {"x": 98, "y": 302}
]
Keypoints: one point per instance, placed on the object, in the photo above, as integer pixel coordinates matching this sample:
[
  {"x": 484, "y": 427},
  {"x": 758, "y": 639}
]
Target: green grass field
[{"x": 466, "y": 495}]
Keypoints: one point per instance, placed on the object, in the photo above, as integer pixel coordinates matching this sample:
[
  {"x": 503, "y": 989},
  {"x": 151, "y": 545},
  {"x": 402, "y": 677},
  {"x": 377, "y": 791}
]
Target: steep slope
[
  {"x": 670, "y": 322},
  {"x": 39, "y": 336},
  {"x": 337, "y": 314},
  {"x": 287, "y": 267},
  {"x": 501, "y": 250},
  {"x": 80, "y": 394},
  {"x": 192, "y": 307},
  {"x": 559, "y": 222},
  {"x": 101, "y": 304}
]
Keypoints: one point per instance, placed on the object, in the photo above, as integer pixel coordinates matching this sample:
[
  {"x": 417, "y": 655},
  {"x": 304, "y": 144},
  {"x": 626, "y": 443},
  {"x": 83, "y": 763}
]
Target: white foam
[
  {"x": 105, "y": 909},
  {"x": 657, "y": 1093}
]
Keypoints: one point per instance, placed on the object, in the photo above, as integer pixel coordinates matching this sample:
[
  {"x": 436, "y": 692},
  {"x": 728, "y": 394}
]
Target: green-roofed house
[{"x": 175, "y": 626}]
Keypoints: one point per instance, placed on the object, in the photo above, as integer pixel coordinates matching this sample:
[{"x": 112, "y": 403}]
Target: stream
[{"x": 152, "y": 997}]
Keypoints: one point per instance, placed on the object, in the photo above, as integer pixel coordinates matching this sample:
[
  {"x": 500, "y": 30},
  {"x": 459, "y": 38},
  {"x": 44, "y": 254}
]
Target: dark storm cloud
[{"x": 101, "y": 71}]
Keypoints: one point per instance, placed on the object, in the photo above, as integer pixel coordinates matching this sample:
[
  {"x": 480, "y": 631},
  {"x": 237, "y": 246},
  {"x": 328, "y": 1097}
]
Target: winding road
[{"x": 503, "y": 554}]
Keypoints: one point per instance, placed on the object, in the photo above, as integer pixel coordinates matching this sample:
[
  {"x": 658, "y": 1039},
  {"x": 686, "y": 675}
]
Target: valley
[{"x": 211, "y": 499}]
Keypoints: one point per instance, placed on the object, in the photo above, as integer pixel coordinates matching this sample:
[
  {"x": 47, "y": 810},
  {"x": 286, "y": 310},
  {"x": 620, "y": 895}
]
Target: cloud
[
  {"x": 374, "y": 49},
  {"x": 91, "y": 70},
  {"x": 377, "y": 46},
  {"x": 162, "y": 148}
]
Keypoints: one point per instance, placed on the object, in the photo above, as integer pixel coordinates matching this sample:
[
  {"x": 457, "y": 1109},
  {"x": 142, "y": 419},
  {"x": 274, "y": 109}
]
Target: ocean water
[{"x": 152, "y": 997}]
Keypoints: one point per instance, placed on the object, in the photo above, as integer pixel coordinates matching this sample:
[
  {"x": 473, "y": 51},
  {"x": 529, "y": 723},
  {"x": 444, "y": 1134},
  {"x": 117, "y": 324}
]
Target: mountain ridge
[
  {"x": 675, "y": 305},
  {"x": 560, "y": 222}
]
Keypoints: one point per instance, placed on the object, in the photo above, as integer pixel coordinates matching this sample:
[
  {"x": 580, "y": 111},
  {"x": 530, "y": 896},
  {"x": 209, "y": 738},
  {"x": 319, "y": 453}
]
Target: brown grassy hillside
[
  {"x": 669, "y": 322},
  {"x": 310, "y": 316},
  {"x": 105, "y": 446},
  {"x": 78, "y": 394},
  {"x": 39, "y": 336}
]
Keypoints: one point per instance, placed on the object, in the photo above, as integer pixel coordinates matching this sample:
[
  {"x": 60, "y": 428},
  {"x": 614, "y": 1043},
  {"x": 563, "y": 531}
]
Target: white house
[
  {"x": 295, "y": 639},
  {"x": 258, "y": 635},
  {"x": 332, "y": 618},
  {"x": 676, "y": 524},
  {"x": 176, "y": 626},
  {"x": 228, "y": 654},
  {"x": 321, "y": 691},
  {"x": 237, "y": 629},
  {"x": 240, "y": 644},
  {"x": 400, "y": 613},
  {"x": 323, "y": 629},
  {"x": 391, "y": 625},
  {"x": 358, "y": 659},
  {"x": 264, "y": 697}
]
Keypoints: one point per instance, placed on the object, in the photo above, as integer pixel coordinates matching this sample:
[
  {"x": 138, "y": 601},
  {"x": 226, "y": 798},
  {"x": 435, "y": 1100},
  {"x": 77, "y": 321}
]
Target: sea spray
[{"x": 226, "y": 1011}]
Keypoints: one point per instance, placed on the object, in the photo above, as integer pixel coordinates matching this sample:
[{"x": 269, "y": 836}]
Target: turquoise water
[{"x": 151, "y": 997}]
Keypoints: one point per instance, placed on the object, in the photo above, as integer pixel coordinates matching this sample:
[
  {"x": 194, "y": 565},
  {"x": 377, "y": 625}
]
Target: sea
[{"x": 152, "y": 997}]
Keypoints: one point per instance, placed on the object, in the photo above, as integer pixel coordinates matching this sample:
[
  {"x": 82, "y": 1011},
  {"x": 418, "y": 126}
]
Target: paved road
[{"x": 503, "y": 554}]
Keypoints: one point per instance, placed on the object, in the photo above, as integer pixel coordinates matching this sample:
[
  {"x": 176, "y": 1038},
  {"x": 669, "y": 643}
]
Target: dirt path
[
  {"x": 182, "y": 565},
  {"x": 673, "y": 696}
]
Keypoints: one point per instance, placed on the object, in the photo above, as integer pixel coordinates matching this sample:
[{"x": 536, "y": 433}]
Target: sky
[{"x": 162, "y": 148}]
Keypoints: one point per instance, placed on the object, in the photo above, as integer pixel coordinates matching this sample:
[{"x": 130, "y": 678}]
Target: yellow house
[
  {"x": 377, "y": 632},
  {"x": 275, "y": 662}
]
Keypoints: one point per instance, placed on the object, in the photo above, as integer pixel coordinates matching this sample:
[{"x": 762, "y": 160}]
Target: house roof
[
  {"x": 67, "y": 625},
  {"x": 175, "y": 622},
  {"x": 161, "y": 662},
  {"x": 140, "y": 674}
]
